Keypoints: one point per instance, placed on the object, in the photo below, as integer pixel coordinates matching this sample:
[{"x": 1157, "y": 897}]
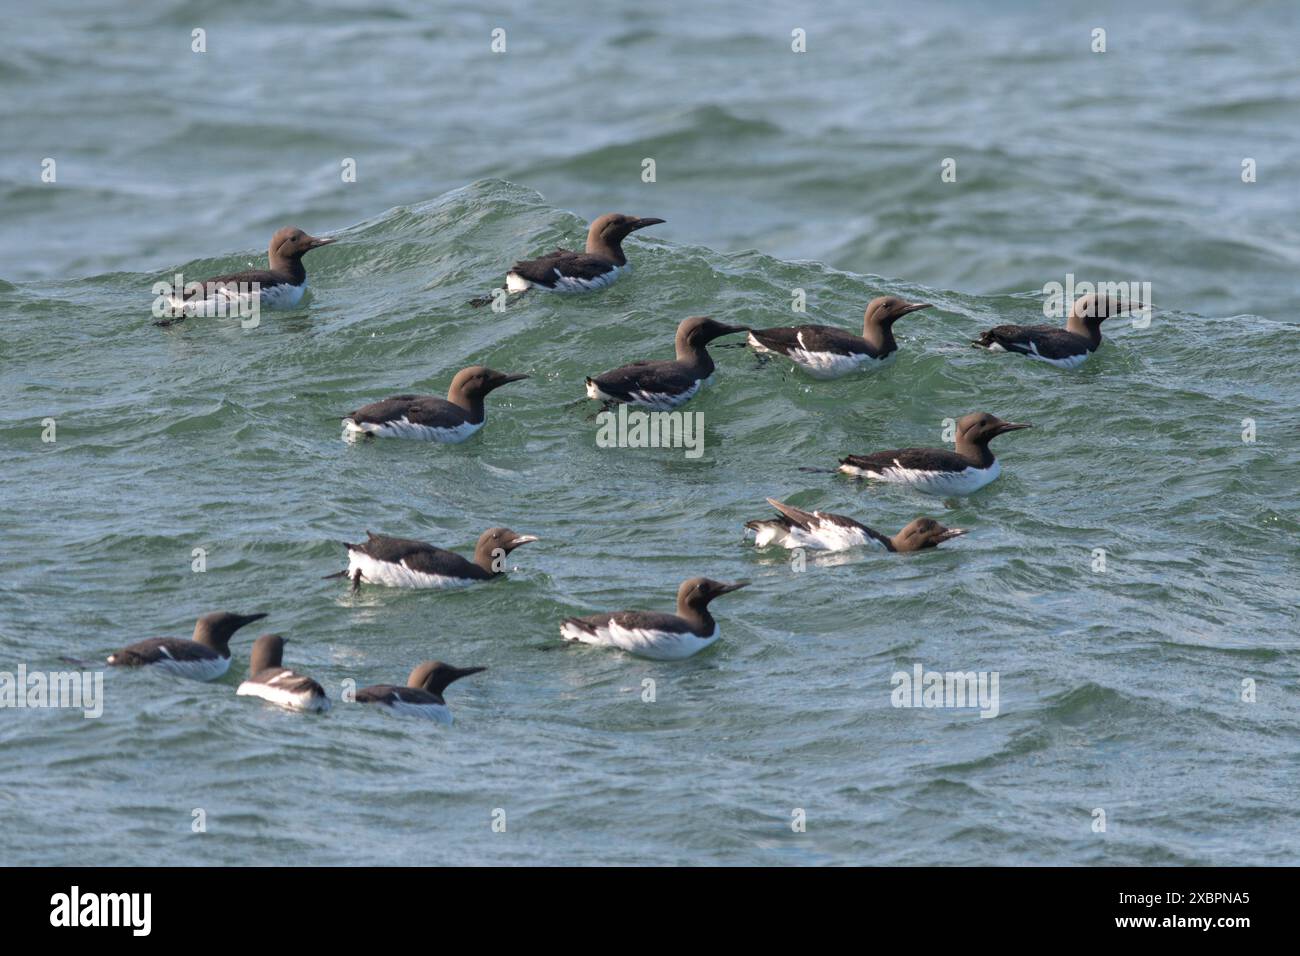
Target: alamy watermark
[
  {"x": 75, "y": 908},
  {"x": 1132, "y": 297},
  {"x": 83, "y": 690},
  {"x": 181, "y": 299},
  {"x": 958, "y": 689},
  {"x": 637, "y": 429}
]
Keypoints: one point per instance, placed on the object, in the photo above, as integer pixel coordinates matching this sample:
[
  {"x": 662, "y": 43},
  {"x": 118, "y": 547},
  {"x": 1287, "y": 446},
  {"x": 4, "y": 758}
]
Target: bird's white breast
[
  {"x": 822, "y": 536},
  {"x": 284, "y": 697},
  {"x": 282, "y": 296},
  {"x": 403, "y": 428},
  {"x": 1072, "y": 361},
  {"x": 209, "y": 668},
  {"x": 517, "y": 283},
  {"x": 642, "y": 642},
  {"x": 439, "y": 712},
  {"x": 227, "y": 301},
  {"x": 835, "y": 364},
  {"x": 932, "y": 482},
  {"x": 394, "y": 575},
  {"x": 767, "y": 534},
  {"x": 828, "y": 536}
]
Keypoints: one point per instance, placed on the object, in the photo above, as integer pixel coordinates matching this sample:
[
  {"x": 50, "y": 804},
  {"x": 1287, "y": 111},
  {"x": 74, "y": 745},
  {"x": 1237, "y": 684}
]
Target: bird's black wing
[
  {"x": 392, "y": 693},
  {"x": 378, "y": 694},
  {"x": 418, "y": 556},
  {"x": 917, "y": 459},
  {"x": 284, "y": 679},
  {"x": 383, "y": 548},
  {"x": 264, "y": 278},
  {"x": 812, "y": 338},
  {"x": 157, "y": 649},
  {"x": 426, "y": 410},
  {"x": 1049, "y": 341},
  {"x": 574, "y": 265},
  {"x": 661, "y": 377},
  {"x": 429, "y": 560},
  {"x": 808, "y": 520},
  {"x": 635, "y": 620}
]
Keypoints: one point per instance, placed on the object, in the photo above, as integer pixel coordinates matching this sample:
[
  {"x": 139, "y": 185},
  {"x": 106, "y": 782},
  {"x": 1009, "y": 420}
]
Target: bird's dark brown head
[
  {"x": 696, "y": 593},
  {"x": 503, "y": 539},
  {"x": 291, "y": 243},
  {"x": 885, "y": 310},
  {"x": 700, "y": 330},
  {"x": 476, "y": 381},
  {"x": 434, "y": 676},
  {"x": 979, "y": 428},
  {"x": 923, "y": 533},
  {"x": 606, "y": 234},
  {"x": 215, "y": 630},
  {"x": 615, "y": 227},
  {"x": 268, "y": 651},
  {"x": 1090, "y": 310}
]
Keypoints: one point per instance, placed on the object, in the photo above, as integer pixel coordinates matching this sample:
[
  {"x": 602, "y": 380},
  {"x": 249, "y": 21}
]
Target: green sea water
[{"x": 1121, "y": 689}]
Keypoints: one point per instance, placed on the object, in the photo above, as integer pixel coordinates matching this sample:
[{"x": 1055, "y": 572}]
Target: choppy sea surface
[{"x": 1161, "y": 690}]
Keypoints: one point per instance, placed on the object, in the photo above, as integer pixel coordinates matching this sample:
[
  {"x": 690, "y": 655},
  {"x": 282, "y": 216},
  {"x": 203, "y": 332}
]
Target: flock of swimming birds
[{"x": 822, "y": 351}]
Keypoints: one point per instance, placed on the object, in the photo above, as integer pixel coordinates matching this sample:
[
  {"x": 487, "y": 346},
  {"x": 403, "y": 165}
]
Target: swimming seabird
[
  {"x": 938, "y": 471},
  {"x": 404, "y": 563},
  {"x": 427, "y": 417},
  {"x": 824, "y": 351},
  {"x": 665, "y": 384},
  {"x": 567, "y": 271},
  {"x": 422, "y": 695},
  {"x": 206, "y": 656},
  {"x": 279, "y": 287},
  {"x": 825, "y": 531},
  {"x": 660, "y": 637},
  {"x": 276, "y": 684},
  {"x": 1069, "y": 347}
]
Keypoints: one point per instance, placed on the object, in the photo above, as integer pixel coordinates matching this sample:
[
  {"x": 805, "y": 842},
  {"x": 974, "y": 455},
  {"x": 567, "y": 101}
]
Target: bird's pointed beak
[
  {"x": 1012, "y": 427},
  {"x": 466, "y": 671},
  {"x": 915, "y": 307},
  {"x": 246, "y": 619},
  {"x": 511, "y": 377},
  {"x": 733, "y": 586},
  {"x": 317, "y": 243},
  {"x": 519, "y": 539},
  {"x": 949, "y": 533},
  {"x": 642, "y": 223}
]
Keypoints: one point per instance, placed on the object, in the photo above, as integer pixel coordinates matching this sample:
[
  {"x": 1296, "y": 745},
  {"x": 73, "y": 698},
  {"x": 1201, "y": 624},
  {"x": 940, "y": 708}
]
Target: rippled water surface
[{"x": 1119, "y": 690}]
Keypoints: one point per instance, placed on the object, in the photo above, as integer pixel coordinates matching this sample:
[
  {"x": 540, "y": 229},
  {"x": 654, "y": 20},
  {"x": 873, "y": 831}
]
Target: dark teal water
[{"x": 1120, "y": 690}]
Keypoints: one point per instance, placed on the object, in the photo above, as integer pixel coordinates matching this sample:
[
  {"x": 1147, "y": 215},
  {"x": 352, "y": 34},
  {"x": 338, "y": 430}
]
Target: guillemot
[
  {"x": 206, "y": 656},
  {"x": 276, "y": 684},
  {"x": 422, "y": 695},
  {"x": 660, "y": 637},
  {"x": 824, "y": 351},
  {"x": 405, "y": 563},
  {"x": 1069, "y": 347},
  {"x": 427, "y": 417},
  {"x": 797, "y": 528},
  {"x": 938, "y": 471},
  {"x": 279, "y": 287},
  {"x": 665, "y": 384},
  {"x": 567, "y": 271}
]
